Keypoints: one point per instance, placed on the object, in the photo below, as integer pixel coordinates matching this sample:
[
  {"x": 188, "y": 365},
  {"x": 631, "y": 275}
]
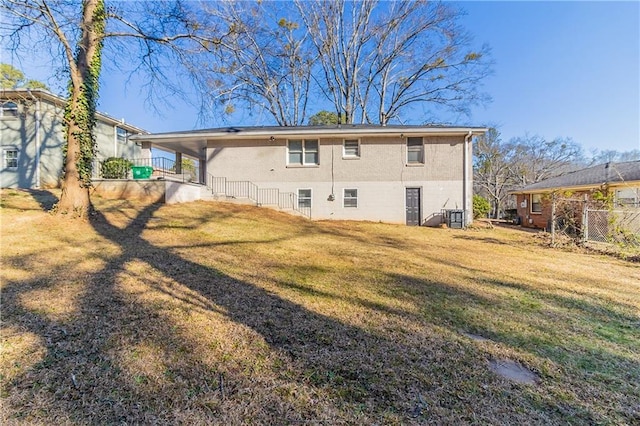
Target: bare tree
[
  {"x": 492, "y": 166},
  {"x": 536, "y": 158},
  {"x": 263, "y": 64},
  {"x": 609, "y": 155},
  {"x": 77, "y": 31},
  {"x": 378, "y": 59}
]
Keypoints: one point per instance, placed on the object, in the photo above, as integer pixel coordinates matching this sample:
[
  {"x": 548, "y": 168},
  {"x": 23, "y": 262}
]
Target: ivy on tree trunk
[{"x": 79, "y": 117}]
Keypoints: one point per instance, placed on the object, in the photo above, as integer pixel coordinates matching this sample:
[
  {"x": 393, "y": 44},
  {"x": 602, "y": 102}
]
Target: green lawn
[{"x": 215, "y": 313}]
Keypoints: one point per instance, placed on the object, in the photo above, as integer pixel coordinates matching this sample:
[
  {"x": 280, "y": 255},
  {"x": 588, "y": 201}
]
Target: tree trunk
[
  {"x": 80, "y": 112},
  {"x": 74, "y": 200}
]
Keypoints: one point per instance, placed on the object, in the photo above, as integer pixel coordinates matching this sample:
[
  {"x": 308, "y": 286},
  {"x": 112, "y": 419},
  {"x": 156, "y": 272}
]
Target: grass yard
[{"x": 214, "y": 313}]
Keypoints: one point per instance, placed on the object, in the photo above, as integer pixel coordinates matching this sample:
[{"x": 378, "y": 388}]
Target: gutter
[
  {"x": 37, "y": 136},
  {"x": 284, "y": 132},
  {"x": 465, "y": 179}
]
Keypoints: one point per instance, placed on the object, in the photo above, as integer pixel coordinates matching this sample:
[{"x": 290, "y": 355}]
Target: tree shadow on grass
[
  {"x": 127, "y": 355},
  {"x": 591, "y": 343},
  {"x": 88, "y": 373}
]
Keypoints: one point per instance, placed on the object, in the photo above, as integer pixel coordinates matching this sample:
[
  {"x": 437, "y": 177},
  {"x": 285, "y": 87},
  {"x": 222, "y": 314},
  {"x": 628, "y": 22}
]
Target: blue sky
[{"x": 562, "y": 69}]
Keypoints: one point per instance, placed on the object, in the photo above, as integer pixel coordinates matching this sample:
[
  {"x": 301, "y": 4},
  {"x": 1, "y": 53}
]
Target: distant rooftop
[{"x": 591, "y": 176}]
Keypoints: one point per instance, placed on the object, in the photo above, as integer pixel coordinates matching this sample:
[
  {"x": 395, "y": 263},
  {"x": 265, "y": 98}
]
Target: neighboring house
[
  {"x": 395, "y": 174},
  {"x": 32, "y": 138},
  {"x": 620, "y": 181}
]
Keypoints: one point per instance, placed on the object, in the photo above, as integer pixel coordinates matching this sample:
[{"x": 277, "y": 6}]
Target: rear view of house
[{"x": 394, "y": 174}]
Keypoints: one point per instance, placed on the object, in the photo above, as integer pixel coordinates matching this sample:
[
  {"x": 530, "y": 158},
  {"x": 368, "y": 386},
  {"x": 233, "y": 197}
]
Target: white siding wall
[{"x": 380, "y": 175}]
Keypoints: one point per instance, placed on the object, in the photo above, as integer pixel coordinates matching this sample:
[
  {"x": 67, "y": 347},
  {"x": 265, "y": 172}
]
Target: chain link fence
[
  {"x": 613, "y": 226},
  {"x": 585, "y": 221}
]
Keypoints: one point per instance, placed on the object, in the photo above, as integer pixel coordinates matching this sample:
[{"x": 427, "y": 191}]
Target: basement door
[{"x": 413, "y": 206}]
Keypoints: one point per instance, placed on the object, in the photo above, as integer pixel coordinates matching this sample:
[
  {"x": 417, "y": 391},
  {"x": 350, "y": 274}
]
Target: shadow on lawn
[
  {"x": 83, "y": 377},
  {"x": 591, "y": 342},
  {"x": 348, "y": 374}
]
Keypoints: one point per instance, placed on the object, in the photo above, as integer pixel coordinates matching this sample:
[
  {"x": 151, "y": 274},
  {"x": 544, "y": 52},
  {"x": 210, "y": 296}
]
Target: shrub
[
  {"x": 115, "y": 168},
  {"x": 481, "y": 207}
]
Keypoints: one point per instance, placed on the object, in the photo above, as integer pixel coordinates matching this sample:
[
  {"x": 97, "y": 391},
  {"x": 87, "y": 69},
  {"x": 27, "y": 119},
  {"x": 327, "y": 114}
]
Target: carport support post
[
  {"x": 202, "y": 169},
  {"x": 178, "y": 163}
]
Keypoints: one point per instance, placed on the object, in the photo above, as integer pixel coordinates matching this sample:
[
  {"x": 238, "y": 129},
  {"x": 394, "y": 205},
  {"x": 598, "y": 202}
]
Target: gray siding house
[
  {"x": 32, "y": 137},
  {"x": 394, "y": 174}
]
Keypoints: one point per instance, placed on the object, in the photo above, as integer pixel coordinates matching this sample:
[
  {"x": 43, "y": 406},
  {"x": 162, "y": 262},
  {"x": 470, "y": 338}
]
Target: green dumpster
[{"x": 142, "y": 172}]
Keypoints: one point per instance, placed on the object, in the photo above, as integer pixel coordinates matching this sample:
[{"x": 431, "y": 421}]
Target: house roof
[
  {"x": 596, "y": 176},
  {"x": 16, "y": 94},
  {"x": 191, "y": 142}
]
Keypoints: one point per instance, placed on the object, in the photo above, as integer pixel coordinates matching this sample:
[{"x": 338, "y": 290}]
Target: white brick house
[{"x": 394, "y": 174}]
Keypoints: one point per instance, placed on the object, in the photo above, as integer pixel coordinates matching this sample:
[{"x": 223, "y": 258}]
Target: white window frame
[
  {"x": 415, "y": 148},
  {"x": 630, "y": 197},
  {"x": 304, "y": 152},
  {"x": 121, "y": 135},
  {"x": 350, "y": 197},
  {"x": 345, "y": 154},
  {"x": 9, "y": 109},
  {"x": 534, "y": 203},
  {"x": 6, "y": 159},
  {"x": 309, "y": 198}
]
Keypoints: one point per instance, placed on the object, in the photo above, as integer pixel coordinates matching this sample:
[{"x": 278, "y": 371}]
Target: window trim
[
  {"x": 13, "y": 110},
  {"x": 310, "y": 198},
  {"x": 344, "y": 149},
  {"x": 122, "y": 138},
  {"x": 421, "y": 150},
  {"x": 304, "y": 152},
  {"x": 345, "y": 198},
  {"x": 5, "y": 159},
  {"x": 633, "y": 201},
  {"x": 531, "y": 203}
]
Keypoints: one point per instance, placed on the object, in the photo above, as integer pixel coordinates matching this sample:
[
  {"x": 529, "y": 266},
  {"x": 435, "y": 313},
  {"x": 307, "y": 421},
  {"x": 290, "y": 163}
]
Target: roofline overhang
[
  {"x": 574, "y": 188},
  {"x": 298, "y": 132},
  {"x": 55, "y": 99}
]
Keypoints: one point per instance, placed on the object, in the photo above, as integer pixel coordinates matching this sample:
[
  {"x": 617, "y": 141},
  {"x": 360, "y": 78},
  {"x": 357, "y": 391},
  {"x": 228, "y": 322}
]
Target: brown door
[{"x": 413, "y": 206}]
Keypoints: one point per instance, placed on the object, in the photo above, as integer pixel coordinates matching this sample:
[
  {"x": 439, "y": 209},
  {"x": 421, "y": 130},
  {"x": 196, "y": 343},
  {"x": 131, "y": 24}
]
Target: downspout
[
  {"x": 37, "y": 136},
  {"x": 465, "y": 180}
]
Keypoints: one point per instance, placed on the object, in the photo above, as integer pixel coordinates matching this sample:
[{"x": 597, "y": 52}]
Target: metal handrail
[
  {"x": 163, "y": 168},
  {"x": 260, "y": 196}
]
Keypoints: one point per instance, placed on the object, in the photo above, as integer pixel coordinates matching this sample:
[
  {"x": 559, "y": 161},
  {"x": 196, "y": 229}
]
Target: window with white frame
[
  {"x": 415, "y": 151},
  {"x": 628, "y": 197},
  {"x": 10, "y": 159},
  {"x": 121, "y": 135},
  {"x": 303, "y": 152},
  {"x": 304, "y": 198},
  {"x": 351, "y": 148},
  {"x": 350, "y": 198},
  {"x": 9, "y": 110},
  {"x": 536, "y": 203}
]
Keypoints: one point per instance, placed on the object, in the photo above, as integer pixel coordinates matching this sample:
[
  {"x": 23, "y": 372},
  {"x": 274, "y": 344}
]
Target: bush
[
  {"x": 481, "y": 207},
  {"x": 115, "y": 168}
]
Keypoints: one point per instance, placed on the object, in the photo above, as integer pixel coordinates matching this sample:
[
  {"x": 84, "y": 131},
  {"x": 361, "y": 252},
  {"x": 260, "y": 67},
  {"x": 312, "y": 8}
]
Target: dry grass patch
[{"x": 220, "y": 313}]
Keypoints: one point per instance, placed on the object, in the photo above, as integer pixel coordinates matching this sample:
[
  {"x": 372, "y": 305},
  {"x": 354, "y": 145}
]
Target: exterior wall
[
  {"x": 529, "y": 219},
  {"x": 380, "y": 174},
  {"x": 156, "y": 191},
  {"x": 145, "y": 190},
  {"x": 40, "y": 155},
  {"x": 179, "y": 192},
  {"x": 51, "y": 145}
]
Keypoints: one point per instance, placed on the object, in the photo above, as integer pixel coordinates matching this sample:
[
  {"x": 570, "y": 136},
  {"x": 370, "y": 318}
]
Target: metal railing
[
  {"x": 163, "y": 168},
  {"x": 260, "y": 196}
]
